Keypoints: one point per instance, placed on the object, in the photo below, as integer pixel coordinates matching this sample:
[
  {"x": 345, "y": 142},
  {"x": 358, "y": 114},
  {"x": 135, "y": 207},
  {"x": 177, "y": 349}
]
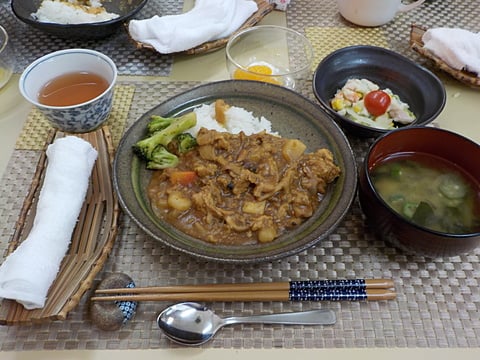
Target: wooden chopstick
[
  {"x": 313, "y": 290},
  {"x": 254, "y": 287},
  {"x": 273, "y": 295}
]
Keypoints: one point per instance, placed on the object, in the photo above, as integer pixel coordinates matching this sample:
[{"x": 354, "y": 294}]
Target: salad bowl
[{"x": 414, "y": 85}]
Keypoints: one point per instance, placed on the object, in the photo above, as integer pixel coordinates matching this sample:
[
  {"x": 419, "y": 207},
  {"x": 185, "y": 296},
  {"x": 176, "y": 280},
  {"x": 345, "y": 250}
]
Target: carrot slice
[{"x": 183, "y": 177}]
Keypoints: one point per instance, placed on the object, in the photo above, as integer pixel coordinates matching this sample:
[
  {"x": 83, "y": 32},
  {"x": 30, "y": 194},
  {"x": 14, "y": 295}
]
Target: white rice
[
  {"x": 70, "y": 12},
  {"x": 236, "y": 120}
]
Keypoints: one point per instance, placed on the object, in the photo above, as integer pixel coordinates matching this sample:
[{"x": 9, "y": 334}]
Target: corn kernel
[{"x": 338, "y": 104}]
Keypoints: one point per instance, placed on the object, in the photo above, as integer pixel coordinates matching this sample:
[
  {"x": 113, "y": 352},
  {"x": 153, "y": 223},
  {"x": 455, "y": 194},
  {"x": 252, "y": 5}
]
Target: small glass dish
[
  {"x": 6, "y": 58},
  {"x": 272, "y": 54}
]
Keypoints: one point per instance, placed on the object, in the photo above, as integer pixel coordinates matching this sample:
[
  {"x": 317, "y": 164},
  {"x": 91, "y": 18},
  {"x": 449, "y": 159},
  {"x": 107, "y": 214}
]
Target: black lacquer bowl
[{"x": 397, "y": 229}]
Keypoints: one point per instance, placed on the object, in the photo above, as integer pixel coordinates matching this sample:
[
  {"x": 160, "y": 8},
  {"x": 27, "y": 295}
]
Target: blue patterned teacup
[{"x": 82, "y": 117}]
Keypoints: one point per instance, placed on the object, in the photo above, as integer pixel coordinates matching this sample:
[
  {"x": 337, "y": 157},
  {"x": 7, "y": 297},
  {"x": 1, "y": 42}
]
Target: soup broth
[
  {"x": 430, "y": 192},
  {"x": 72, "y": 89}
]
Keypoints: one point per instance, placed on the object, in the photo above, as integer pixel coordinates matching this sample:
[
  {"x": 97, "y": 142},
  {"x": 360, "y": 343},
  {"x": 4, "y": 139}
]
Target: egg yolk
[{"x": 257, "y": 73}]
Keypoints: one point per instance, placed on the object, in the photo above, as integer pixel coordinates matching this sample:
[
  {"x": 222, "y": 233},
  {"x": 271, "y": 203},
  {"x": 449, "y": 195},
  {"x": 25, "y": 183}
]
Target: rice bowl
[
  {"x": 72, "y": 12},
  {"x": 126, "y": 9}
]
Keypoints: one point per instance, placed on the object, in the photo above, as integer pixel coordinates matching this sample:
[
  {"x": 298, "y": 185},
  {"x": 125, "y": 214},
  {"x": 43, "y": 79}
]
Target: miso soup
[{"x": 429, "y": 191}]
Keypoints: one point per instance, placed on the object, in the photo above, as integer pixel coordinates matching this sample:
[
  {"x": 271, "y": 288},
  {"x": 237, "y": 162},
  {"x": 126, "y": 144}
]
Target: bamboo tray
[
  {"x": 416, "y": 44},
  {"x": 92, "y": 239},
  {"x": 264, "y": 8}
]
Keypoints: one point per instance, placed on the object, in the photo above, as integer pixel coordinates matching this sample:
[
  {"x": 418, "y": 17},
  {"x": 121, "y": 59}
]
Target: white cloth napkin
[
  {"x": 459, "y": 48},
  {"x": 28, "y": 272},
  {"x": 208, "y": 20}
]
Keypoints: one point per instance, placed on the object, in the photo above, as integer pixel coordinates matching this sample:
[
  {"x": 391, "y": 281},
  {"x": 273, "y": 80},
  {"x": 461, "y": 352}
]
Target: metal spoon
[{"x": 192, "y": 324}]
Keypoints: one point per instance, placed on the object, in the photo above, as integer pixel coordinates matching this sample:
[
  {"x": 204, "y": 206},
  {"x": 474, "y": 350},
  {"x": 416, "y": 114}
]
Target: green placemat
[
  {"x": 35, "y": 131},
  {"x": 328, "y": 39}
]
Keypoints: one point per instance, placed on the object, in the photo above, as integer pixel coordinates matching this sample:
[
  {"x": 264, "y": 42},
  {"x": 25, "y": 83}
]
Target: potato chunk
[
  {"x": 178, "y": 201},
  {"x": 293, "y": 149},
  {"x": 267, "y": 234},
  {"x": 254, "y": 207}
]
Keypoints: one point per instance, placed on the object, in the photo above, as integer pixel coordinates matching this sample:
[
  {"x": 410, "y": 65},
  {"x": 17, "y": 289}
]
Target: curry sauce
[{"x": 236, "y": 189}]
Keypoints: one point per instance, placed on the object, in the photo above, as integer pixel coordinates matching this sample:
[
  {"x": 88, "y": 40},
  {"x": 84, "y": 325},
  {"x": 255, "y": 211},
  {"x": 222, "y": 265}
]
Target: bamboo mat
[{"x": 438, "y": 303}]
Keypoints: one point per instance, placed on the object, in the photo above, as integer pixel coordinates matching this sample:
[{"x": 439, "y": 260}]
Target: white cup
[
  {"x": 373, "y": 12},
  {"x": 78, "y": 118}
]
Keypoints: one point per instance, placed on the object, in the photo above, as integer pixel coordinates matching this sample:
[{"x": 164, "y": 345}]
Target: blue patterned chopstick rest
[{"x": 128, "y": 308}]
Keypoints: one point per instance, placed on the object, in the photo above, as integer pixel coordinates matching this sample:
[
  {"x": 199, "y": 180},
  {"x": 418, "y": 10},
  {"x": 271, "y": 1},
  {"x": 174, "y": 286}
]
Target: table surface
[{"x": 437, "y": 311}]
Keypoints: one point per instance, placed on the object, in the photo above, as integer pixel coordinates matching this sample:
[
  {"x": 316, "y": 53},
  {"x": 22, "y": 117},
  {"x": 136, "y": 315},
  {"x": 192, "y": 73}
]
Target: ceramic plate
[{"x": 292, "y": 116}]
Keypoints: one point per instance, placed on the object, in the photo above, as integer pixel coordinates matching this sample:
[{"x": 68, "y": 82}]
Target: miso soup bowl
[
  {"x": 79, "y": 118},
  {"x": 396, "y": 229}
]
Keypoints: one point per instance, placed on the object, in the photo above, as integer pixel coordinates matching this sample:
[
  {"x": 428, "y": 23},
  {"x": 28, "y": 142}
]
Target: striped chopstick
[{"x": 312, "y": 290}]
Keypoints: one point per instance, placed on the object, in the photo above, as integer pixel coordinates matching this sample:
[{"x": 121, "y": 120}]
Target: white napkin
[
  {"x": 208, "y": 20},
  {"x": 457, "y": 47},
  {"x": 28, "y": 272}
]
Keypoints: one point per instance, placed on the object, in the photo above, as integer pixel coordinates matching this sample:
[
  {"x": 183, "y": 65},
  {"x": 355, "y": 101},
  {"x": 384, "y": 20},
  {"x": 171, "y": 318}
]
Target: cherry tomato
[{"x": 377, "y": 102}]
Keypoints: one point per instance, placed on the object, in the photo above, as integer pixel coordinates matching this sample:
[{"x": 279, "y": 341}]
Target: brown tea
[{"x": 72, "y": 89}]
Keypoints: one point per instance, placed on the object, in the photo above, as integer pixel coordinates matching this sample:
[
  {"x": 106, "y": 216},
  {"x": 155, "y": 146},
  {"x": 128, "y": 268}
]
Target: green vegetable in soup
[
  {"x": 409, "y": 209},
  {"x": 452, "y": 186},
  {"x": 423, "y": 213},
  {"x": 431, "y": 194}
]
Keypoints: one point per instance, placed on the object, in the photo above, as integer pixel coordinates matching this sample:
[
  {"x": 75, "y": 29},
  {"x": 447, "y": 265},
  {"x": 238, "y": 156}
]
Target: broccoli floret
[
  {"x": 161, "y": 159},
  {"x": 158, "y": 123},
  {"x": 145, "y": 148},
  {"x": 185, "y": 142}
]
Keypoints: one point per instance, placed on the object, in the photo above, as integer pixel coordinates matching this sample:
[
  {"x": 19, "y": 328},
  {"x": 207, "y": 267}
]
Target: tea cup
[
  {"x": 373, "y": 12},
  {"x": 80, "y": 117}
]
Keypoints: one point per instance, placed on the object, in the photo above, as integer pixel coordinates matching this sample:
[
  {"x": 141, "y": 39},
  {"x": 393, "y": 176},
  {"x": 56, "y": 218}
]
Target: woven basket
[
  {"x": 416, "y": 43},
  {"x": 264, "y": 8},
  {"x": 91, "y": 243}
]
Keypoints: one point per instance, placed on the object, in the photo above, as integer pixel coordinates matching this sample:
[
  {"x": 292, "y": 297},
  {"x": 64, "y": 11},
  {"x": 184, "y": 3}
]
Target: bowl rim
[
  {"x": 366, "y": 171},
  {"x": 34, "y": 22},
  {"x": 47, "y": 57},
  {"x": 285, "y": 29},
  {"x": 6, "y": 38},
  {"x": 378, "y": 49}
]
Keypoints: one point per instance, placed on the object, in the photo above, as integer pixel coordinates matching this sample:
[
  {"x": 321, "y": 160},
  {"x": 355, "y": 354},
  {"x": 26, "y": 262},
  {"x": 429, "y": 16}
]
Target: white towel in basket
[
  {"x": 28, "y": 272},
  {"x": 459, "y": 48},
  {"x": 208, "y": 20}
]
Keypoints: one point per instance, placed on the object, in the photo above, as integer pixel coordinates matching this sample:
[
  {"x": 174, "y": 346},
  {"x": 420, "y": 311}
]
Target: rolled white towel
[
  {"x": 459, "y": 48},
  {"x": 208, "y": 20},
  {"x": 27, "y": 273}
]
